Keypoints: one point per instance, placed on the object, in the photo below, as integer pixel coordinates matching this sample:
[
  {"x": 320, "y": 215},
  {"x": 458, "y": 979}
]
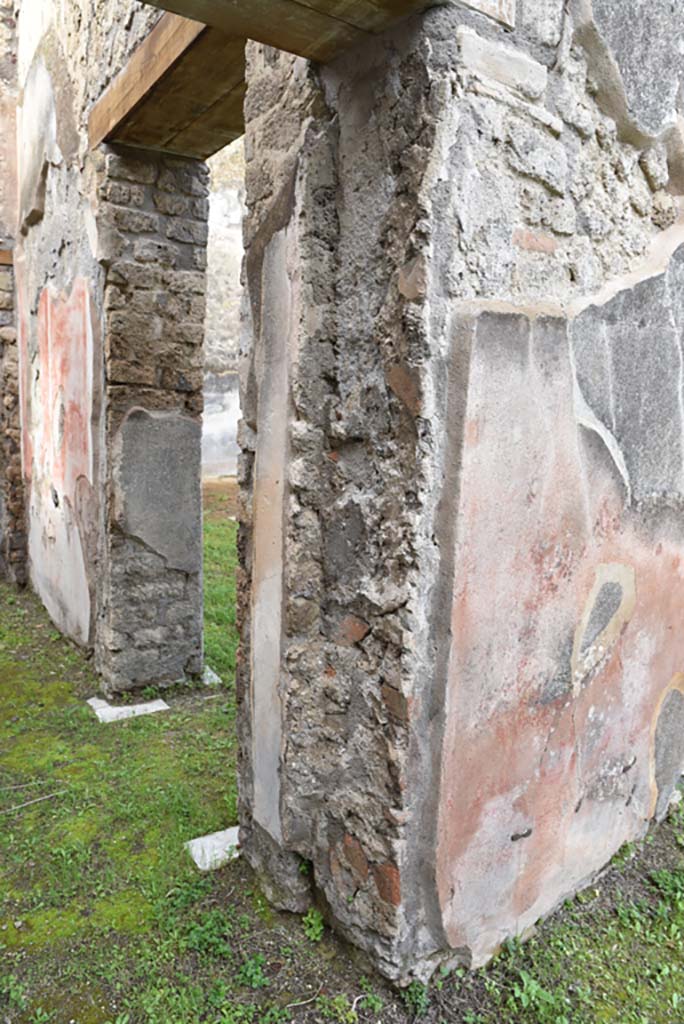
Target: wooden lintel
[
  {"x": 156, "y": 55},
  {"x": 318, "y": 29},
  {"x": 182, "y": 90},
  {"x": 6, "y": 258}
]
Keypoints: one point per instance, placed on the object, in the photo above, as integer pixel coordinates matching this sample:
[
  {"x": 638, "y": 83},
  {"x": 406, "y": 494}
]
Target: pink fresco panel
[
  {"x": 57, "y": 413},
  {"x": 565, "y": 640}
]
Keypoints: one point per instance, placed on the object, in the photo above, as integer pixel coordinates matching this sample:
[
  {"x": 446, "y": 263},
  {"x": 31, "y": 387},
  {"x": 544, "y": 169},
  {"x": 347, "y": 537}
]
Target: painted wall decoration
[{"x": 57, "y": 356}]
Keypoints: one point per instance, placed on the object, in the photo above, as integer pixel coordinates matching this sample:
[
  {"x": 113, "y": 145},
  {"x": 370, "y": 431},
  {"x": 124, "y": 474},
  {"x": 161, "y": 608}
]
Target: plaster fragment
[
  {"x": 215, "y": 850},
  {"x": 210, "y": 678},
  {"x": 106, "y": 713}
]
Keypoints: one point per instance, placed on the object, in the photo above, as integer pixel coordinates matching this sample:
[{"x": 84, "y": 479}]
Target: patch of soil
[{"x": 220, "y": 497}]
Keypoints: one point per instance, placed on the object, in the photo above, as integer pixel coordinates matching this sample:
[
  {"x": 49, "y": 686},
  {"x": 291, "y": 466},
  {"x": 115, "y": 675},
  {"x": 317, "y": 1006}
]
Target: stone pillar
[
  {"x": 109, "y": 268},
  {"x": 153, "y": 217},
  {"x": 12, "y": 519},
  {"x": 460, "y": 680}
]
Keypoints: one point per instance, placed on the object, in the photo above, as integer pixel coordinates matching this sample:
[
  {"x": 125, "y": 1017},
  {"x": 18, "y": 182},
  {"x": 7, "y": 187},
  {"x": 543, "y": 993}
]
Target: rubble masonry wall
[
  {"x": 109, "y": 262},
  {"x": 462, "y": 469}
]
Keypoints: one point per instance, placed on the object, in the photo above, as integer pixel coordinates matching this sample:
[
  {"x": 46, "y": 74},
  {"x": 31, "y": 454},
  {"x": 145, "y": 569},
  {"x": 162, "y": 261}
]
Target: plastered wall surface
[
  {"x": 460, "y": 681},
  {"x": 110, "y": 262},
  {"x": 469, "y": 234},
  {"x": 65, "y": 53}
]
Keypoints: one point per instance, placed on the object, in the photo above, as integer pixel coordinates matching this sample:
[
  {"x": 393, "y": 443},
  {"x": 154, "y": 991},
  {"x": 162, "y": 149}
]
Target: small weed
[
  {"x": 313, "y": 925},
  {"x": 528, "y": 994},
  {"x": 209, "y": 936},
  {"x": 624, "y": 854},
  {"x": 251, "y": 974},
  {"x": 41, "y": 1016},
  {"x": 416, "y": 998},
  {"x": 669, "y": 883},
  {"x": 336, "y": 1008},
  {"x": 371, "y": 1002},
  {"x": 13, "y": 992}
]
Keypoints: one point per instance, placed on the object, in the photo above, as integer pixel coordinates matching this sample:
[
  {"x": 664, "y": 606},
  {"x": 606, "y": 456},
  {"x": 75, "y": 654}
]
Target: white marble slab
[
  {"x": 106, "y": 713},
  {"x": 216, "y": 850}
]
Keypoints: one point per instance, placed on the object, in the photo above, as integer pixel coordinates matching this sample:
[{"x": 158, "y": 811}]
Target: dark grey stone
[
  {"x": 643, "y": 37},
  {"x": 628, "y": 362},
  {"x": 559, "y": 684},
  {"x": 157, "y": 485},
  {"x": 608, "y": 601},
  {"x": 669, "y": 749}
]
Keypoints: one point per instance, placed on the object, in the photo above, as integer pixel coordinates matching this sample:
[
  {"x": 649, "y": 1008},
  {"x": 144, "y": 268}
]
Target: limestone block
[
  {"x": 635, "y": 57},
  {"x": 216, "y": 850},
  {"x": 504, "y": 64}
]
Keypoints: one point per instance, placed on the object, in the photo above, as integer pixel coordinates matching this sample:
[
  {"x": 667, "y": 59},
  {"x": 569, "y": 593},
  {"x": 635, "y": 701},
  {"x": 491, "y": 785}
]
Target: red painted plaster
[{"x": 538, "y": 791}]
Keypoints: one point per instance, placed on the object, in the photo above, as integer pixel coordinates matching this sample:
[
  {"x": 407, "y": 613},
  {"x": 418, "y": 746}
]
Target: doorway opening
[{"x": 222, "y": 408}]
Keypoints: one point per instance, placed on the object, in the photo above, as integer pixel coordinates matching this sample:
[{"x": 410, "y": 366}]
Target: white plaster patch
[
  {"x": 106, "y": 713},
  {"x": 216, "y": 850}
]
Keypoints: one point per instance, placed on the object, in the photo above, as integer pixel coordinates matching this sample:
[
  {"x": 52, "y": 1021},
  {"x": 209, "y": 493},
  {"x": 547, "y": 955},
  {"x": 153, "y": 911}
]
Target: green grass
[
  {"x": 220, "y": 563},
  {"x": 104, "y": 919}
]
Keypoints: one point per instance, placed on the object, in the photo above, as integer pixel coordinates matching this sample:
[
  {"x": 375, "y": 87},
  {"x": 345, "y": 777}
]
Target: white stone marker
[
  {"x": 106, "y": 713},
  {"x": 210, "y": 678},
  {"x": 216, "y": 850}
]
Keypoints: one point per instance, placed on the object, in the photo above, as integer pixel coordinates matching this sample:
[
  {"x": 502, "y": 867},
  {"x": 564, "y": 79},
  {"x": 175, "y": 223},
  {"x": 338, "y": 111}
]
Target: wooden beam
[
  {"x": 182, "y": 89},
  {"x": 319, "y": 29},
  {"x": 6, "y": 258},
  {"x": 195, "y": 108},
  {"x": 158, "y": 52}
]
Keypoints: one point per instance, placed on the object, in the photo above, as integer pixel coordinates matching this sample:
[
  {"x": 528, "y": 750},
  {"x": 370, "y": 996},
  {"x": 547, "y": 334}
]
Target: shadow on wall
[{"x": 222, "y": 325}]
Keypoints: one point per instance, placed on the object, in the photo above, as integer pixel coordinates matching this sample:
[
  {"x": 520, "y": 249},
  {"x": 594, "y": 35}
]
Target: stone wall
[
  {"x": 8, "y": 103},
  {"x": 12, "y": 520},
  {"x": 110, "y": 265},
  {"x": 155, "y": 212},
  {"x": 12, "y": 524},
  {"x": 65, "y": 57},
  {"x": 460, "y": 679},
  {"x": 332, "y": 479}
]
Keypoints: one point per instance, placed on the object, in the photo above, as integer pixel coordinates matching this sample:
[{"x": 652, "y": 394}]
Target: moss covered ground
[{"x": 103, "y": 918}]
